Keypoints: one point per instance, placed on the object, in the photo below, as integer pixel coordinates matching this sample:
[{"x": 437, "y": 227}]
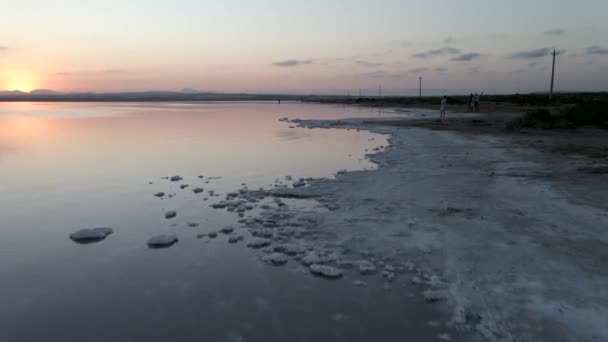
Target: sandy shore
[{"x": 506, "y": 228}]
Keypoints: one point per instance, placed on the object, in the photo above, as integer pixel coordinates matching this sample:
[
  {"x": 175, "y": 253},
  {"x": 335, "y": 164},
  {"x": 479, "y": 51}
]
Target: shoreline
[{"x": 477, "y": 222}]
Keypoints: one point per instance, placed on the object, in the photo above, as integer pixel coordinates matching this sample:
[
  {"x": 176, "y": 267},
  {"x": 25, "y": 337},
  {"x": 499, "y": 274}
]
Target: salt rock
[
  {"x": 259, "y": 243},
  {"x": 275, "y": 259},
  {"x": 236, "y": 239},
  {"x": 227, "y": 230},
  {"x": 87, "y": 235},
  {"x": 325, "y": 271},
  {"x": 162, "y": 241},
  {"x": 366, "y": 267}
]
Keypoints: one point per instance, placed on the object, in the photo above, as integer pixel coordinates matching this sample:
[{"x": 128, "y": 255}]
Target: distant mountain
[
  {"x": 12, "y": 93},
  {"x": 44, "y": 92},
  {"x": 189, "y": 91},
  {"x": 144, "y": 96}
]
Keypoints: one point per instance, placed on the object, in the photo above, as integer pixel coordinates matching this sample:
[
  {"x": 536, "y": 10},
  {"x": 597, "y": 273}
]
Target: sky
[{"x": 314, "y": 46}]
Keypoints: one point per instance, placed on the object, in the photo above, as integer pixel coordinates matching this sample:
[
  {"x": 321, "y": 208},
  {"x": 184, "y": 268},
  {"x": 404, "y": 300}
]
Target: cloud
[
  {"x": 596, "y": 50},
  {"x": 451, "y": 40},
  {"x": 437, "y": 52},
  {"x": 115, "y": 71},
  {"x": 466, "y": 57},
  {"x": 555, "y": 32},
  {"x": 369, "y": 64},
  {"x": 381, "y": 74},
  {"x": 538, "y": 53},
  {"x": 423, "y": 70},
  {"x": 3, "y": 47},
  {"x": 91, "y": 72},
  {"x": 499, "y": 36},
  {"x": 292, "y": 63},
  {"x": 419, "y": 70},
  {"x": 67, "y": 73}
]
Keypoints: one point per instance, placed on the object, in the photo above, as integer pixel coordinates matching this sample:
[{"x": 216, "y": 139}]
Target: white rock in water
[
  {"x": 159, "y": 194},
  {"x": 91, "y": 235},
  {"x": 227, "y": 230},
  {"x": 262, "y": 233},
  {"x": 170, "y": 214},
  {"x": 276, "y": 259},
  {"x": 288, "y": 248},
  {"x": 434, "y": 295},
  {"x": 259, "y": 243},
  {"x": 175, "y": 178},
  {"x": 162, "y": 241},
  {"x": 366, "y": 267},
  {"x": 325, "y": 271},
  {"x": 236, "y": 238},
  {"x": 359, "y": 283},
  {"x": 313, "y": 257},
  {"x": 197, "y": 190}
]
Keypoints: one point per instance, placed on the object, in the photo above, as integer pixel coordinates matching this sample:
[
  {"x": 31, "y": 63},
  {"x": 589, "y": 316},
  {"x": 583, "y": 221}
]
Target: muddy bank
[{"x": 477, "y": 222}]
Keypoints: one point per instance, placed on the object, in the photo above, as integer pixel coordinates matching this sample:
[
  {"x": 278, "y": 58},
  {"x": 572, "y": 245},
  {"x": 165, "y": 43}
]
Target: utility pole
[
  {"x": 420, "y": 86},
  {"x": 554, "y": 54}
]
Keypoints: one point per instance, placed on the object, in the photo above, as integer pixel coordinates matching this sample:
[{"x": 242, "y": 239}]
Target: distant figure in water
[
  {"x": 279, "y": 101},
  {"x": 444, "y": 104}
]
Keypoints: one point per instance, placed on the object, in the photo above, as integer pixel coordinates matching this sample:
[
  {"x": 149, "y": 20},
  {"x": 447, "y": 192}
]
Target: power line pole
[
  {"x": 554, "y": 54},
  {"x": 420, "y": 86}
]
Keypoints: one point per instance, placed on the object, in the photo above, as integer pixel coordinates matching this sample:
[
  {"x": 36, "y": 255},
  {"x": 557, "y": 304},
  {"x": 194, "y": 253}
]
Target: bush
[
  {"x": 540, "y": 118},
  {"x": 588, "y": 113}
]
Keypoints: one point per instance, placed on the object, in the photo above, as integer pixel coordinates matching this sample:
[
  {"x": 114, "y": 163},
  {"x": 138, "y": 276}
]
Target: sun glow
[{"x": 19, "y": 80}]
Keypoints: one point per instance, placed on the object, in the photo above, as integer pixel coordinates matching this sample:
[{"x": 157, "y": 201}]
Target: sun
[{"x": 19, "y": 80}]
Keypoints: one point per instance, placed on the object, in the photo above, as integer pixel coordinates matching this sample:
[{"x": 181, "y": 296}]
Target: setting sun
[{"x": 19, "y": 80}]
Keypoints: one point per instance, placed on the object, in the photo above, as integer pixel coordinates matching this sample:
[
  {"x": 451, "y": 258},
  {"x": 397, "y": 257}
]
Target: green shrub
[
  {"x": 540, "y": 118},
  {"x": 588, "y": 113}
]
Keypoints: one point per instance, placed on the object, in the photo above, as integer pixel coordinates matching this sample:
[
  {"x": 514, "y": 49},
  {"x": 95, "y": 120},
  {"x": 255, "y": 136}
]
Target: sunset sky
[{"x": 315, "y": 46}]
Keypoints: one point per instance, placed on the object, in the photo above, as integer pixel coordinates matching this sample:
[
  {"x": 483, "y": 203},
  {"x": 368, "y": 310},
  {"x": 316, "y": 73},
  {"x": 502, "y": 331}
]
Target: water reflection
[{"x": 91, "y": 165}]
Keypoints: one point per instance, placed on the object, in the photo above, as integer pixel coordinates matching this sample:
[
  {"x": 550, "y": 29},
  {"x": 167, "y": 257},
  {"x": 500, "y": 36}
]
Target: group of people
[
  {"x": 473, "y": 105},
  {"x": 474, "y": 102}
]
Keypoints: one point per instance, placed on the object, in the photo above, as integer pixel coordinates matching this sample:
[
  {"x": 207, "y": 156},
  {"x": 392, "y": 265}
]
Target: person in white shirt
[{"x": 444, "y": 105}]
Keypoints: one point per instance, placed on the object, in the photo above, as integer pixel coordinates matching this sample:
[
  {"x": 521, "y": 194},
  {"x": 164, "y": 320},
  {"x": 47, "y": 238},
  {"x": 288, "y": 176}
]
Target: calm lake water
[{"x": 69, "y": 166}]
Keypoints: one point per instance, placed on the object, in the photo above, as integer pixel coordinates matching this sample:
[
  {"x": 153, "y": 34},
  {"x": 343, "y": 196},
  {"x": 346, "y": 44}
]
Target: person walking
[
  {"x": 477, "y": 99},
  {"x": 471, "y": 103},
  {"x": 444, "y": 105}
]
